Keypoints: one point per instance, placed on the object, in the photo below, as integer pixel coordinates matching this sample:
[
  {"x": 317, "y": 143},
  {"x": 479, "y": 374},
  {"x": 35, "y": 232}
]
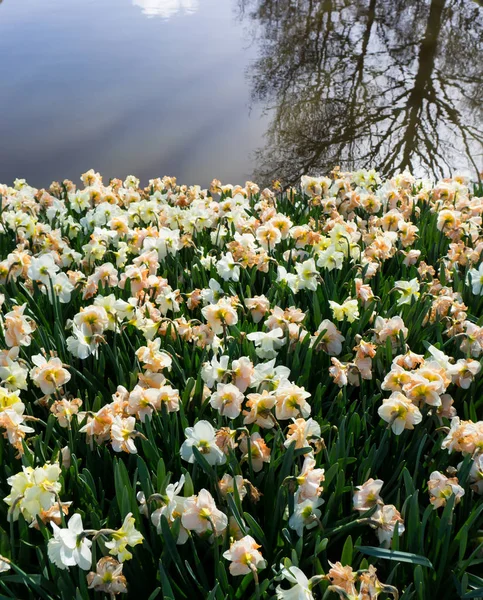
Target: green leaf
[
  {"x": 478, "y": 593},
  {"x": 168, "y": 593},
  {"x": 256, "y": 529},
  {"x": 170, "y": 546},
  {"x": 419, "y": 582},
  {"x": 385, "y": 554},
  {"x": 204, "y": 464},
  {"x": 347, "y": 551}
]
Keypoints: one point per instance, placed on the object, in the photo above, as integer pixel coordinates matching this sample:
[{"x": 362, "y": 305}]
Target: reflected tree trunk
[
  {"x": 368, "y": 84},
  {"x": 423, "y": 83}
]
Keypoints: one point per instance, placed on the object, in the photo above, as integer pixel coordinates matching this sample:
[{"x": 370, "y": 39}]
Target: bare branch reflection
[{"x": 364, "y": 83}]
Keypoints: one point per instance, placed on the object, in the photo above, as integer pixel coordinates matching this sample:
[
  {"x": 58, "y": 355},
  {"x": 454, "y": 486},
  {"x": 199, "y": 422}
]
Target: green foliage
[{"x": 440, "y": 553}]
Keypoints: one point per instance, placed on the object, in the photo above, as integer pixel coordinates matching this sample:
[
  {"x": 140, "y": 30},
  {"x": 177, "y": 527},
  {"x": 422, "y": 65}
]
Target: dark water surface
[{"x": 238, "y": 89}]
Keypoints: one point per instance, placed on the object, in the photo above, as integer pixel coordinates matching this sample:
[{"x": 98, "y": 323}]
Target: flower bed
[{"x": 241, "y": 393}]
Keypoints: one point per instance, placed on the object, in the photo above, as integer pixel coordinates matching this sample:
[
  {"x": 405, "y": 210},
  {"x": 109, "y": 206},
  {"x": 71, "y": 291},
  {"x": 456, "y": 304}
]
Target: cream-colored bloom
[
  {"x": 390, "y": 328},
  {"x": 367, "y": 495},
  {"x": 347, "y": 310},
  {"x": 33, "y": 490},
  {"x": 4, "y": 564},
  {"x": 242, "y": 372},
  {"x": 172, "y": 508},
  {"x": 476, "y": 474},
  {"x": 18, "y": 327},
  {"x": 343, "y": 577},
  {"x": 122, "y": 433},
  {"x": 309, "y": 480},
  {"x": 330, "y": 259},
  {"x": 314, "y": 186},
  {"x": 228, "y": 483},
  {"x": 307, "y": 275},
  {"x": 227, "y": 268},
  {"x": 244, "y": 556},
  {"x": 441, "y": 488},
  {"x": 48, "y": 375},
  {"x": 43, "y": 268},
  {"x": 13, "y": 373},
  {"x": 386, "y": 519},
  {"x": 339, "y": 372},
  {"x": 331, "y": 341},
  {"x": 422, "y": 391},
  {"x": 127, "y": 535},
  {"x": 64, "y": 410},
  {"x": 268, "y": 236},
  {"x": 292, "y": 402},
  {"x": 202, "y": 516},
  {"x": 258, "y": 453},
  {"x": 464, "y": 436},
  {"x": 302, "y": 432},
  {"x": 227, "y": 400},
  {"x": 258, "y": 307},
  {"x": 215, "y": 370},
  {"x": 399, "y": 412},
  {"x": 220, "y": 315},
  {"x": 93, "y": 319},
  {"x": 260, "y": 407},
  {"x": 407, "y": 290},
  {"x": 464, "y": 372},
  {"x": 153, "y": 358},
  {"x": 108, "y": 577}
]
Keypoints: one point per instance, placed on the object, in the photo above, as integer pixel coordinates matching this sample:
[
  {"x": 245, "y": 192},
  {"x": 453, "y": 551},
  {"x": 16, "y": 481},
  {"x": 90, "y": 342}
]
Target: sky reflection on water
[
  {"x": 167, "y": 8},
  {"x": 98, "y": 84},
  {"x": 236, "y": 89}
]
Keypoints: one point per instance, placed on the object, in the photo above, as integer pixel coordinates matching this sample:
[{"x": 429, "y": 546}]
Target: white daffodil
[
  {"x": 212, "y": 293},
  {"x": 82, "y": 344},
  {"x": 69, "y": 547},
  {"x": 475, "y": 279},
  {"x": 267, "y": 344},
  {"x": 227, "y": 268},
  {"x": 214, "y": 371},
  {"x": 289, "y": 279},
  {"x": 4, "y": 564},
  {"x": 61, "y": 286},
  {"x": 408, "y": 290},
  {"x": 268, "y": 376},
  {"x": 330, "y": 259},
  {"x": 43, "y": 268},
  {"x": 202, "y": 436},
  {"x": 307, "y": 275},
  {"x": 441, "y": 358},
  {"x": 302, "y": 588},
  {"x": 305, "y": 514}
]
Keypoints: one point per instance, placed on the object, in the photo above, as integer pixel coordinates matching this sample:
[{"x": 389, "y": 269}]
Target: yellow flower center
[{"x": 203, "y": 447}]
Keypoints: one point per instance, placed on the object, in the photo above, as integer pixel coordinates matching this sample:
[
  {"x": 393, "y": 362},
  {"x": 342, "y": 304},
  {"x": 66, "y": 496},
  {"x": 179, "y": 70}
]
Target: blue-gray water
[{"x": 236, "y": 89}]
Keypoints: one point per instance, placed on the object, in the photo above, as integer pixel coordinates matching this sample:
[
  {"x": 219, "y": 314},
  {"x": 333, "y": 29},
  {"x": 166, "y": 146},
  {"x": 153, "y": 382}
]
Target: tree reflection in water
[{"x": 368, "y": 83}]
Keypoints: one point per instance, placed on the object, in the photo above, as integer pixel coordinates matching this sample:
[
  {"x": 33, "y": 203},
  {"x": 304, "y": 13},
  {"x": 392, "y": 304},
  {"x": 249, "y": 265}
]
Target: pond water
[{"x": 238, "y": 89}]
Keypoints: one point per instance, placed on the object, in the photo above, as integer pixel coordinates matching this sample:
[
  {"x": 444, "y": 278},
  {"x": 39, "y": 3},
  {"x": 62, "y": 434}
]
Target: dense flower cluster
[{"x": 225, "y": 371}]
